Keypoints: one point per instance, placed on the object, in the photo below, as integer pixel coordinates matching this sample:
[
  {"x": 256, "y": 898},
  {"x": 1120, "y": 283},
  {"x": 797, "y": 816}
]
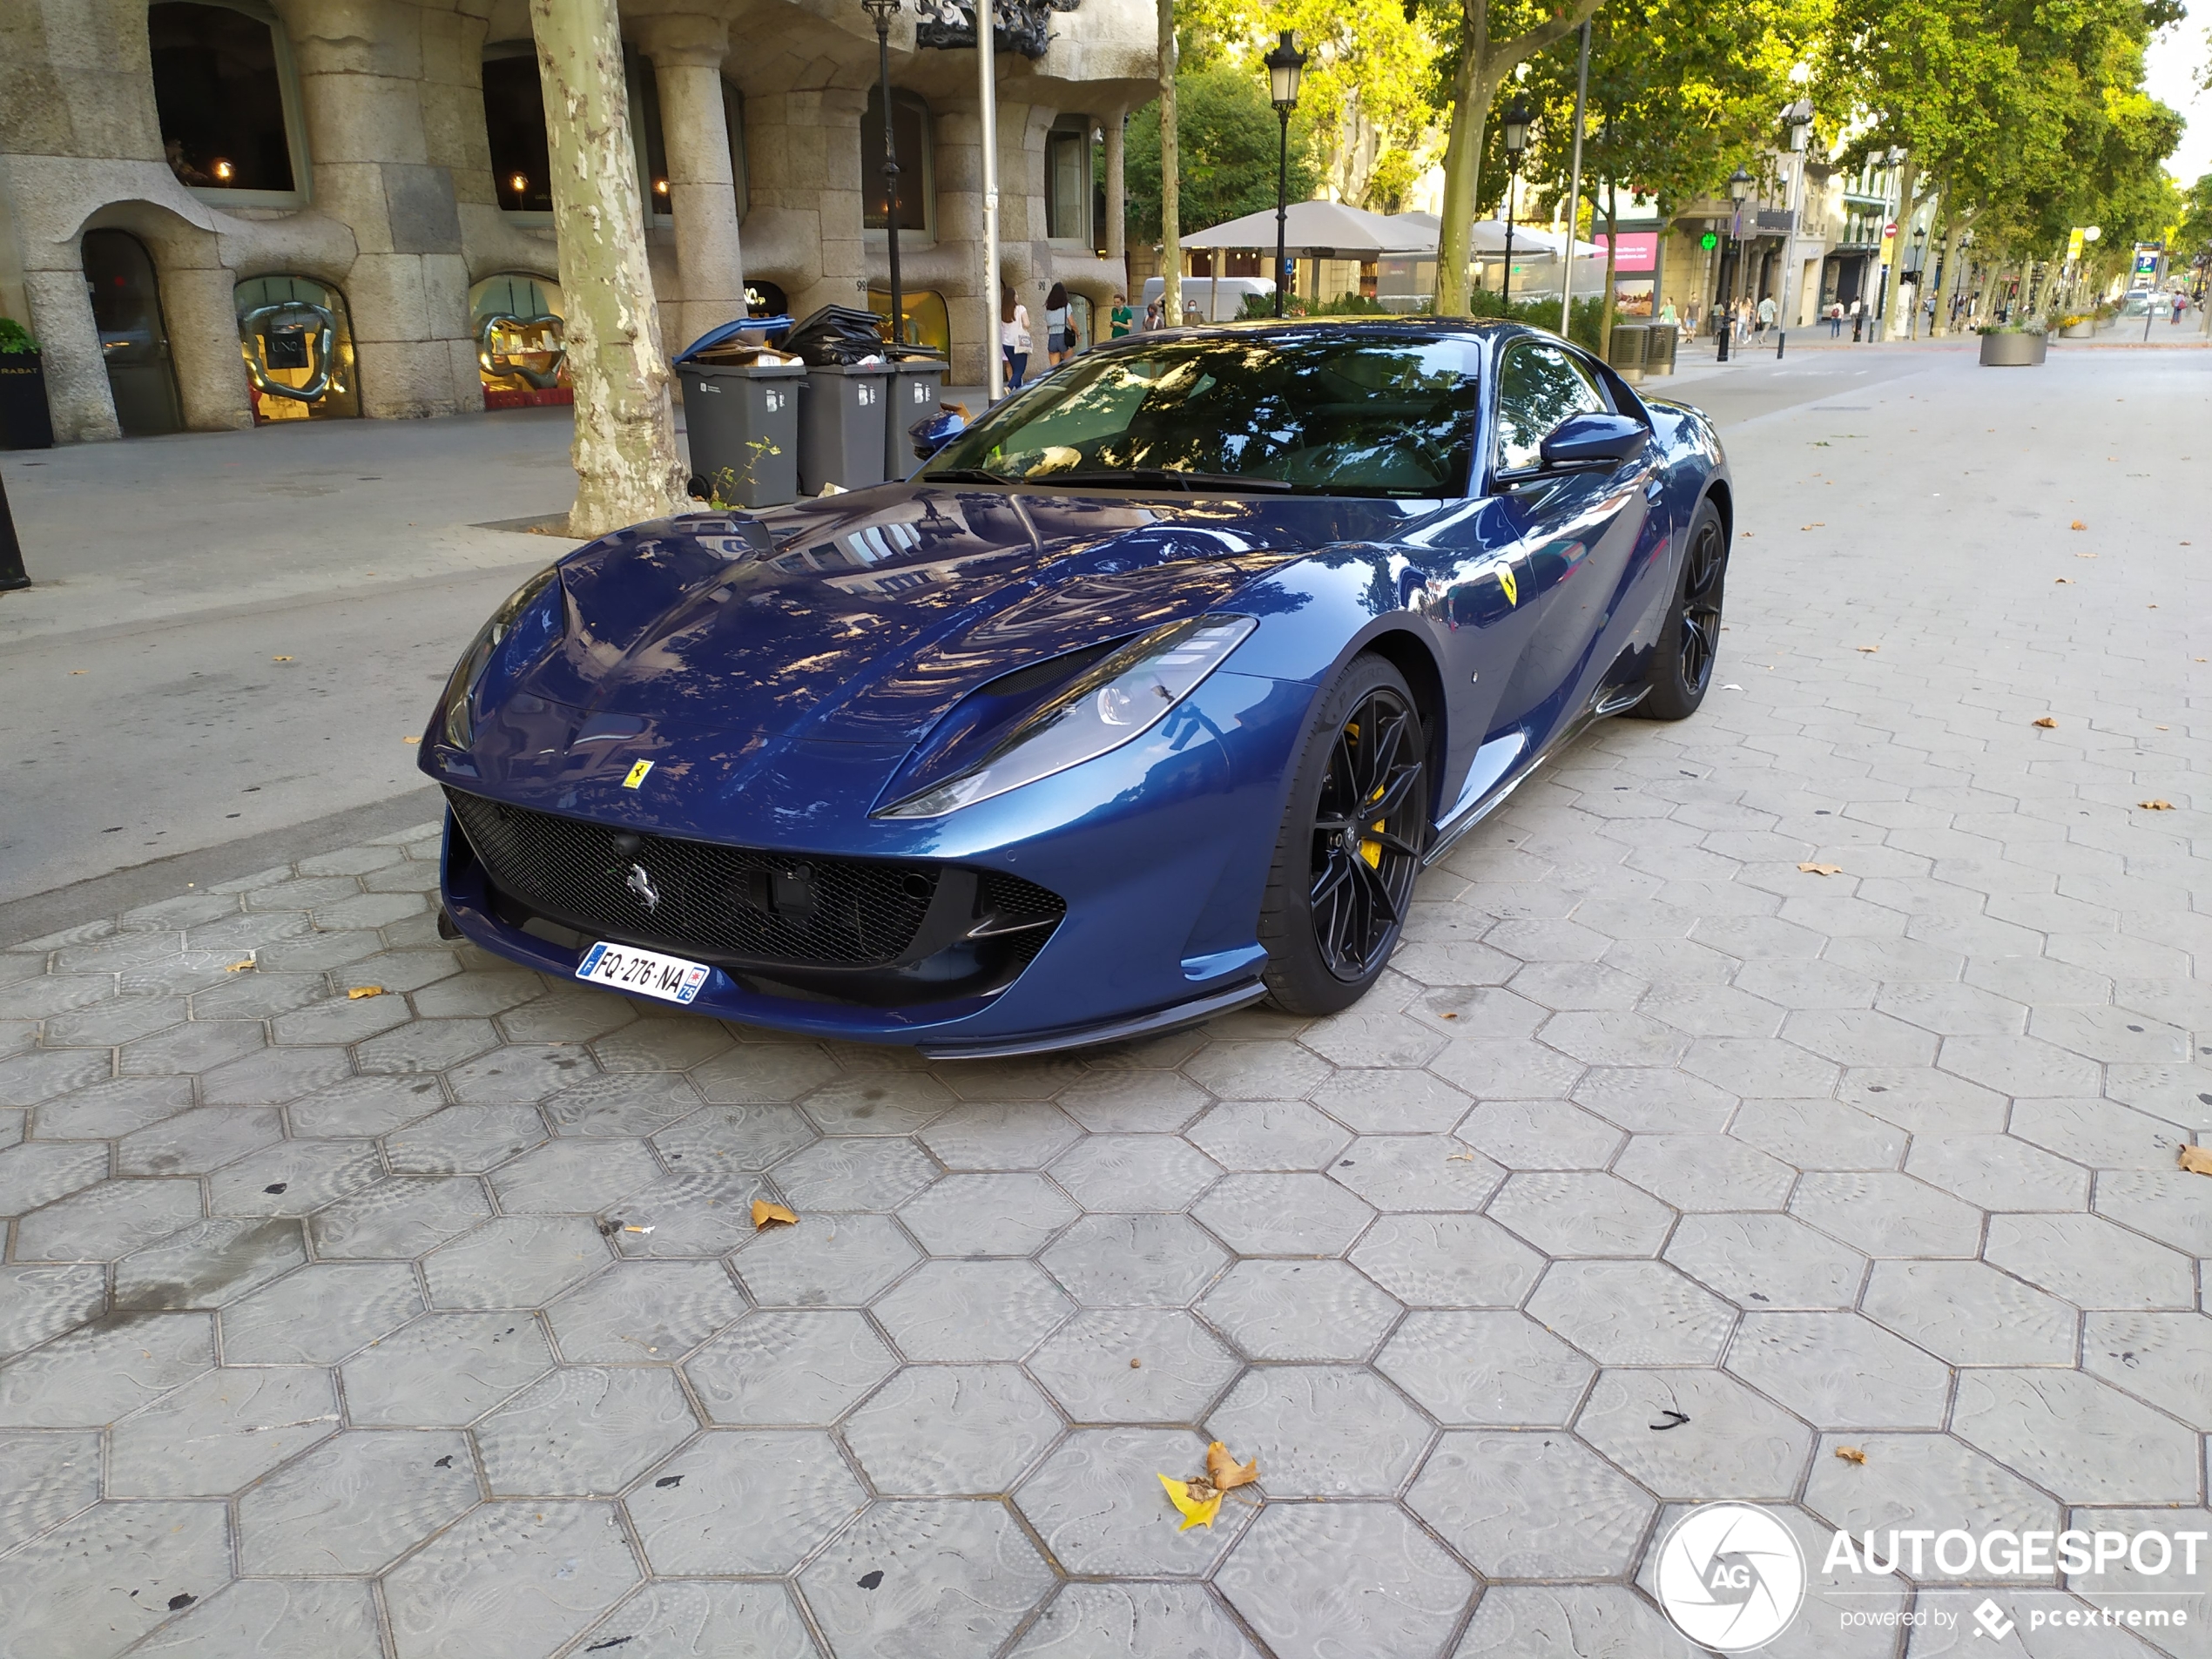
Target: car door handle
[{"x": 1655, "y": 487}]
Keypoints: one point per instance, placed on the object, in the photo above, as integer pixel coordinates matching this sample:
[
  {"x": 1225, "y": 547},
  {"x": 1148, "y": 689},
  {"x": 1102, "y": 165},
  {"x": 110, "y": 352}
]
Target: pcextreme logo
[{"x": 1730, "y": 1577}]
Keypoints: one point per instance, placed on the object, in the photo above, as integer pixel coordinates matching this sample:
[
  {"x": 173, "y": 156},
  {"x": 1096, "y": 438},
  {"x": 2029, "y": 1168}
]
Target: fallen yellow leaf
[
  {"x": 2155, "y": 805},
  {"x": 1225, "y": 1473},
  {"x": 240, "y": 967},
  {"x": 360, "y": 991},
  {"x": 2079, "y": 525},
  {"x": 411, "y": 740},
  {"x": 766, "y": 1214},
  {"x": 2085, "y": 556},
  {"x": 280, "y": 659},
  {"x": 1822, "y": 869},
  {"x": 1196, "y": 1511},
  {"x": 1870, "y": 648},
  {"x": 2196, "y": 1160},
  {"x": 1851, "y": 1454},
  {"x": 2049, "y": 724}
]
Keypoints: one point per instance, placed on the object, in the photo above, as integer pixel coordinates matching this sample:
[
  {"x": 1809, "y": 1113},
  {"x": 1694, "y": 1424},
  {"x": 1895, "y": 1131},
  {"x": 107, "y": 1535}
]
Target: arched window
[
  {"x": 228, "y": 100},
  {"x": 298, "y": 343},
  {"x": 917, "y": 169}
]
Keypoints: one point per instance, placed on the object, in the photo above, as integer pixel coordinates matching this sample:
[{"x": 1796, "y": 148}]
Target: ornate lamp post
[
  {"x": 1739, "y": 190},
  {"x": 1517, "y": 141},
  {"x": 1798, "y": 118},
  {"x": 1285, "y": 65},
  {"x": 882, "y": 11}
]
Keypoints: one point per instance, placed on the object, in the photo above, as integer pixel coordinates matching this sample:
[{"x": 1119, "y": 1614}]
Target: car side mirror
[{"x": 1592, "y": 438}]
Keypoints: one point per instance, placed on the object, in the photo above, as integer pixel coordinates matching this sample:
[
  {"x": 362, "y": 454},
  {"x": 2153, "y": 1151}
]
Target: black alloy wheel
[
  {"x": 1350, "y": 846},
  {"x": 1689, "y": 641}
]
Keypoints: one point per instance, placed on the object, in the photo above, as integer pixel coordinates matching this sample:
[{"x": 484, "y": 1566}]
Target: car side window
[{"x": 1538, "y": 386}]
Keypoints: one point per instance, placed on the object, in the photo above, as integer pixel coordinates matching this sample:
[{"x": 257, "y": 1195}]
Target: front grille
[{"x": 742, "y": 905}]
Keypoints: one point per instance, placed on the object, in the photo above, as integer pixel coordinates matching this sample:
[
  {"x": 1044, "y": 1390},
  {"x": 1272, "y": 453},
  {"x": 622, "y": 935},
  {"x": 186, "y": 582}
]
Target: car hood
[{"x": 863, "y": 619}]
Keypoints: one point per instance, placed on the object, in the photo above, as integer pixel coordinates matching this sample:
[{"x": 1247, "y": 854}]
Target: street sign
[
  {"x": 1709, "y": 241},
  {"x": 1890, "y": 229},
  {"x": 2073, "y": 245}
]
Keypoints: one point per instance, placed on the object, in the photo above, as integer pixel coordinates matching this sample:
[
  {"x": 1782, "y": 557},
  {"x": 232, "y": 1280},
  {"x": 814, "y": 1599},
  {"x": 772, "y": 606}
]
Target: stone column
[
  {"x": 687, "y": 55},
  {"x": 360, "y": 65},
  {"x": 1117, "y": 194},
  {"x": 78, "y": 394}
]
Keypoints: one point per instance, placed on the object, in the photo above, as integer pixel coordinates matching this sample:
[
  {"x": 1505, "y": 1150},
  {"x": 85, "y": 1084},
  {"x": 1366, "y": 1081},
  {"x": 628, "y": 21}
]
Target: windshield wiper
[
  {"x": 966, "y": 475},
  {"x": 1132, "y": 477}
]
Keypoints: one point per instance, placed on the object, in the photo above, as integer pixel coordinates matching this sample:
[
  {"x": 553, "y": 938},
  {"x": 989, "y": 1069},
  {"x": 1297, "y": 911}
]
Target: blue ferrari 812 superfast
[{"x": 1148, "y": 696}]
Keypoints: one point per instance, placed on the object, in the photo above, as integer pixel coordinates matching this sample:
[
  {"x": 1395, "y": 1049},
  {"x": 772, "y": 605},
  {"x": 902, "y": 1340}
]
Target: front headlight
[
  {"x": 1115, "y": 701},
  {"x": 530, "y": 619}
]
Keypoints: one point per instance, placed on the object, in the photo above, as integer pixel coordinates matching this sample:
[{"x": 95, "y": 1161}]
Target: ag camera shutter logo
[{"x": 1730, "y": 1577}]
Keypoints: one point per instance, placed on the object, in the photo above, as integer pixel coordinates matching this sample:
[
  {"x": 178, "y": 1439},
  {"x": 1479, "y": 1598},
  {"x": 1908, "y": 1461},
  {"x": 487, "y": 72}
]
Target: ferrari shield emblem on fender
[
  {"x": 637, "y": 774},
  {"x": 1507, "y": 586}
]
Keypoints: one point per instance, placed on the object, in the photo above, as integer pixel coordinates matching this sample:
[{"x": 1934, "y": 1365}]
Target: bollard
[
  {"x": 1781, "y": 339},
  {"x": 12, "y": 571}
]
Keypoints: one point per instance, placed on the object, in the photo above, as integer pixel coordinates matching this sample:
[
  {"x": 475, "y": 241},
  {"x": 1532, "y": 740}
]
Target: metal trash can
[
  {"x": 743, "y": 424},
  {"x": 1660, "y": 342},
  {"x": 1625, "y": 350},
  {"x": 841, "y": 421},
  {"x": 916, "y": 384}
]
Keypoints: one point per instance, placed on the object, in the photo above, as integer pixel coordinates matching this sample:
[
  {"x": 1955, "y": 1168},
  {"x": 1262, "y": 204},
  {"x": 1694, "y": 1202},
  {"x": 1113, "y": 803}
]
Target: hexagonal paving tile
[
  {"x": 1283, "y": 1214},
  {"x": 1141, "y": 1620},
  {"x": 1299, "y": 1310},
  {"x": 445, "y": 1368},
  {"x": 1569, "y": 1622},
  {"x": 1530, "y": 1505},
  {"x": 1884, "y": 1214},
  {"x": 743, "y": 1501},
  {"x": 1134, "y": 1172},
  {"x": 2163, "y": 1357},
  {"x": 1448, "y": 1261},
  {"x": 95, "y": 1373},
  {"x": 860, "y": 1173},
  {"x": 102, "y": 1222},
  {"x": 1268, "y": 1135},
  {"x": 1133, "y": 1365},
  {"x": 1632, "y": 1313},
  {"x": 1134, "y": 1261},
  {"x": 1706, "y": 1172},
  {"x": 1568, "y": 1213},
  {"x": 1416, "y": 1172},
  {"x": 357, "y": 1502},
  {"x": 1001, "y": 1135},
  {"x": 208, "y": 1264},
  {"x": 1392, "y": 1102},
  {"x": 60, "y": 1590},
  {"x": 460, "y": 1593},
  {"x": 932, "y": 1579},
  {"x": 789, "y": 1368},
  {"x": 2089, "y": 1262},
  {"x": 514, "y": 1262},
  {"x": 1840, "y": 1371},
  {"x": 1729, "y": 1444},
  {"x": 1488, "y": 1369},
  {"x": 1971, "y": 1314},
  {"x": 951, "y": 1431},
  {"x": 1321, "y": 1431},
  {"x": 972, "y": 1311},
  {"x": 583, "y": 1430},
  {"x": 220, "y": 1431},
  {"x": 327, "y": 1618},
  {"x": 988, "y": 1214},
  {"x": 644, "y": 1312},
  {"x": 1097, "y": 1504},
  {"x": 1921, "y": 1480},
  {"x": 1315, "y": 1580},
  {"x": 40, "y": 1301},
  {"x": 709, "y": 1615},
  {"x": 400, "y": 1217},
  {"x": 825, "y": 1261},
  {"x": 2114, "y": 1449},
  {"x": 1767, "y": 1261}
]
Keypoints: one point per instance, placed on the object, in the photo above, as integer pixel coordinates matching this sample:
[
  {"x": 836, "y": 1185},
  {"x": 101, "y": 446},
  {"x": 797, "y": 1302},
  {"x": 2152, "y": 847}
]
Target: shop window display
[
  {"x": 298, "y": 344},
  {"x": 521, "y": 355}
]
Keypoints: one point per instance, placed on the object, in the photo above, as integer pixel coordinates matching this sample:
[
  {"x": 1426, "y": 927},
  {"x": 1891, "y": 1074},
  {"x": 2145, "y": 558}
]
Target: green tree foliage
[
  {"x": 1229, "y": 133},
  {"x": 2196, "y": 219}
]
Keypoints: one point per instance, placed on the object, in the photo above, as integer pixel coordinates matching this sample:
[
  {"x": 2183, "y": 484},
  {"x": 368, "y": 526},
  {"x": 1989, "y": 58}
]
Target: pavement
[{"x": 1781, "y": 1106}]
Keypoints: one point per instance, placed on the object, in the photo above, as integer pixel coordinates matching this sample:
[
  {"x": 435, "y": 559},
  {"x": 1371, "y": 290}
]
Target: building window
[
  {"x": 514, "y": 124},
  {"x": 298, "y": 344},
  {"x": 927, "y": 321},
  {"x": 225, "y": 95},
  {"x": 522, "y": 342},
  {"x": 733, "y": 120},
  {"x": 1067, "y": 183},
  {"x": 917, "y": 173}
]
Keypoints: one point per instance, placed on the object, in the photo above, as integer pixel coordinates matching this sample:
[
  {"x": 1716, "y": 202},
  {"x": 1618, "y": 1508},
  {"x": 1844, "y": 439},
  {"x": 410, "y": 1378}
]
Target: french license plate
[{"x": 645, "y": 973}]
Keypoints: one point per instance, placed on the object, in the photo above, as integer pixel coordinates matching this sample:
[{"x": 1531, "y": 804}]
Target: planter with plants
[
  {"x": 2082, "y": 326},
  {"x": 2012, "y": 345},
  {"x": 24, "y": 423}
]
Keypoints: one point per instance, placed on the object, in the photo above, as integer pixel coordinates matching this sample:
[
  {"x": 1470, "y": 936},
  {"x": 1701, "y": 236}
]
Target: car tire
[
  {"x": 1342, "y": 881},
  {"x": 1680, "y": 671}
]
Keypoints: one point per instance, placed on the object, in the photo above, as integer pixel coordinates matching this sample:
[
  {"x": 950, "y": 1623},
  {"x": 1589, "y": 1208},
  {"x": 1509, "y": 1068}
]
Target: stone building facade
[{"x": 218, "y": 211}]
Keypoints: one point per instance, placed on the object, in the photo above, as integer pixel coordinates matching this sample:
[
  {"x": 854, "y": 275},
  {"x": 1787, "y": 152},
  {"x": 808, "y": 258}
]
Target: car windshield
[{"x": 1323, "y": 415}]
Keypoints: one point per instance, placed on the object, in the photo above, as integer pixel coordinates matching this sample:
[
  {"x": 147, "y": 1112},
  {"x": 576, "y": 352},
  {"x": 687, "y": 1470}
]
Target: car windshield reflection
[{"x": 1337, "y": 415}]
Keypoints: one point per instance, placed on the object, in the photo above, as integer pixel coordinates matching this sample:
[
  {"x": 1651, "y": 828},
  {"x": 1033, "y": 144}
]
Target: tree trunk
[
  {"x": 1955, "y": 224},
  {"x": 625, "y": 450},
  {"x": 1612, "y": 244},
  {"x": 1171, "y": 181},
  {"x": 1481, "y": 67},
  {"x": 1908, "y": 179}
]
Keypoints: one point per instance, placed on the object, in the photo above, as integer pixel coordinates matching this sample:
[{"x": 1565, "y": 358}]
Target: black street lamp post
[
  {"x": 1739, "y": 191},
  {"x": 1286, "y": 65},
  {"x": 882, "y": 11},
  {"x": 1517, "y": 141}
]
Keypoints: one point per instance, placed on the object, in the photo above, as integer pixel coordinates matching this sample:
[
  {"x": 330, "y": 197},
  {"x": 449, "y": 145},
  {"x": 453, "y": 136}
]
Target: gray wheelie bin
[
  {"x": 841, "y": 419},
  {"x": 743, "y": 424}
]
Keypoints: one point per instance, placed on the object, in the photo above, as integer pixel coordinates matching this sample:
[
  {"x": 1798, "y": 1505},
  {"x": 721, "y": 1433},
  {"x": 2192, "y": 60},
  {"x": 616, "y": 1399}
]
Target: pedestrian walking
[
  {"x": 1151, "y": 316},
  {"x": 2180, "y": 304},
  {"x": 1059, "y": 341},
  {"x": 1766, "y": 313},
  {"x": 1858, "y": 318},
  {"x": 1014, "y": 337},
  {"x": 1836, "y": 321},
  {"x": 1121, "y": 319}
]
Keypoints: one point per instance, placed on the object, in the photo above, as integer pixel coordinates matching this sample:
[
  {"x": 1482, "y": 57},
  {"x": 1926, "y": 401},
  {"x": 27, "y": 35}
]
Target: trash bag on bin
[{"x": 836, "y": 334}]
